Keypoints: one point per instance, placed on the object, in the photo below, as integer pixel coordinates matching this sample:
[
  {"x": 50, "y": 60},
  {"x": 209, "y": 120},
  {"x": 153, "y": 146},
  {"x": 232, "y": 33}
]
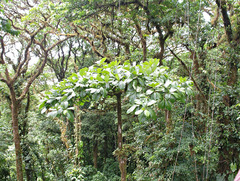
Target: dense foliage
[{"x": 119, "y": 90}]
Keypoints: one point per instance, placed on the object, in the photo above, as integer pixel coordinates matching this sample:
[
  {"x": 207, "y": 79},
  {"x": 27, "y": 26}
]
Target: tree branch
[
  {"x": 143, "y": 39},
  {"x": 189, "y": 73},
  {"x": 26, "y": 54},
  {"x": 3, "y": 51},
  {"x": 38, "y": 70}
]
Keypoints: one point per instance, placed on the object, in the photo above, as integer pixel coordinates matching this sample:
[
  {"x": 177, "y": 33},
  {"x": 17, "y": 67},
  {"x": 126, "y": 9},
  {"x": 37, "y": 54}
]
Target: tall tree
[
  {"x": 37, "y": 28},
  {"x": 227, "y": 153}
]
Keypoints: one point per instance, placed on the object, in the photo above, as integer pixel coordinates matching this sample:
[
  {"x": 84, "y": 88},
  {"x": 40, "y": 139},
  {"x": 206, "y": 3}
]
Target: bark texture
[
  {"x": 16, "y": 136},
  {"x": 121, "y": 158}
]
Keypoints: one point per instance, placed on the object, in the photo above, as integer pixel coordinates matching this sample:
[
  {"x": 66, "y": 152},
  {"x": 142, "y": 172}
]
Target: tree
[
  {"x": 226, "y": 151},
  {"x": 125, "y": 29},
  {"x": 34, "y": 25},
  {"x": 146, "y": 85}
]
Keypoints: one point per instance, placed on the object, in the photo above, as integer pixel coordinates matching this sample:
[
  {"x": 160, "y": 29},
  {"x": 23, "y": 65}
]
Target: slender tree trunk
[
  {"x": 121, "y": 158},
  {"x": 95, "y": 153},
  {"x": 105, "y": 147},
  {"x": 160, "y": 54},
  {"x": 16, "y": 136},
  {"x": 77, "y": 130}
]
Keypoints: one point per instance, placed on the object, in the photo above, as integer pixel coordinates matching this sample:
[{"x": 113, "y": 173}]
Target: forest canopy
[{"x": 119, "y": 90}]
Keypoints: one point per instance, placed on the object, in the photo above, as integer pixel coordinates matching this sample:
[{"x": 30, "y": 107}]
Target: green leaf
[
  {"x": 65, "y": 112},
  {"x": 131, "y": 109},
  {"x": 167, "y": 83},
  {"x": 99, "y": 70},
  {"x": 44, "y": 110},
  {"x": 83, "y": 71},
  {"x": 149, "y": 91},
  {"x": 139, "y": 89},
  {"x": 147, "y": 113},
  {"x": 117, "y": 76},
  {"x": 99, "y": 78},
  {"x": 42, "y": 105},
  {"x": 168, "y": 105},
  {"x": 151, "y": 102},
  {"x": 52, "y": 114},
  {"x": 161, "y": 104},
  {"x": 153, "y": 84},
  {"x": 70, "y": 115},
  {"x": 138, "y": 101},
  {"x": 233, "y": 167},
  {"x": 121, "y": 85},
  {"x": 104, "y": 93},
  {"x": 101, "y": 62},
  {"x": 138, "y": 112},
  {"x": 135, "y": 84},
  {"x": 106, "y": 78},
  {"x": 64, "y": 104},
  {"x": 156, "y": 96},
  {"x": 142, "y": 83}
]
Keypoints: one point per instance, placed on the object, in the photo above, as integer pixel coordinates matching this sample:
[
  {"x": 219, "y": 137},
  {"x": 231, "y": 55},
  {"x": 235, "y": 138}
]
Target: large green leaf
[
  {"x": 52, "y": 114},
  {"x": 70, "y": 115},
  {"x": 131, "y": 109},
  {"x": 151, "y": 102},
  {"x": 146, "y": 113},
  {"x": 138, "y": 111}
]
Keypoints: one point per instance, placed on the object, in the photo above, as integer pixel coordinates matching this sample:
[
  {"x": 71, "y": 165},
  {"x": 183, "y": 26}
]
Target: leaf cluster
[{"x": 146, "y": 85}]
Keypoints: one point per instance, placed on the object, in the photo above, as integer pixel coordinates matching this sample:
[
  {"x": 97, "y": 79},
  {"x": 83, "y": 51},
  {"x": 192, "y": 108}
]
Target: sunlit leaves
[
  {"x": 139, "y": 111},
  {"x": 147, "y": 86},
  {"x": 131, "y": 109},
  {"x": 52, "y": 114},
  {"x": 151, "y": 102}
]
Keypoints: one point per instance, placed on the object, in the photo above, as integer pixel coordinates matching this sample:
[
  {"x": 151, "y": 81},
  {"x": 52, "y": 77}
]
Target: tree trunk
[
  {"x": 105, "y": 147},
  {"x": 77, "y": 130},
  {"x": 95, "y": 153},
  {"x": 16, "y": 136},
  {"x": 121, "y": 158},
  {"x": 226, "y": 150},
  {"x": 160, "y": 54},
  {"x": 25, "y": 146}
]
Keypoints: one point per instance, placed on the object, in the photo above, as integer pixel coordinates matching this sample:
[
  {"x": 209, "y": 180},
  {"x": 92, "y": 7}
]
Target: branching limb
[
  {"x": 143, "y": 40},
  {"x": 38, "y": 70},
  {"x": 189, "y": 73}
]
